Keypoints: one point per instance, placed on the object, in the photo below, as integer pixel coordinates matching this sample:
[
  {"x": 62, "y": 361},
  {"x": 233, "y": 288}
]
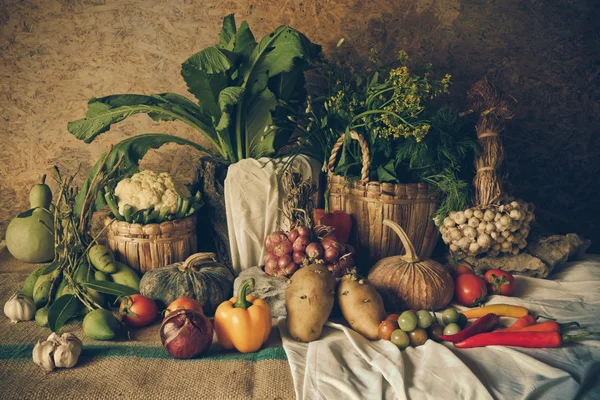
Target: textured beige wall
[{"x": 55, "y": 55}]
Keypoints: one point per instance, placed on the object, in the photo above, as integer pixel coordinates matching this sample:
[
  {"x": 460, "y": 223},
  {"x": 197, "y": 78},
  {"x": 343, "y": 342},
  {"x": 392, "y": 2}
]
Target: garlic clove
[
  {"x": 43, "y": 355},
  {"x": 67, "y": 355}
]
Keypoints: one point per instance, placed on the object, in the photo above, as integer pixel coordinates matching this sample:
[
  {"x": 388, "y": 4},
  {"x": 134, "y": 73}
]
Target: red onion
[
  {"x": 284, "y": 260},
  {"x": 314, "y": 250},
  {"x": 346, "y": 262},
  {"x": 186, "y": 333},
  {"x": 331, "y": 254},
  {"x": 299, "y": 257},
  {"x": 284, "y": 247},
  {"x": 301, "y": 243},
  {"x": 274, "y": 239},
  {"x": 271, "y": 261},
  {"x": 293, "y": 235},
  {"x": 290, "y": 269},
  {"x": 303, "y": 231}
]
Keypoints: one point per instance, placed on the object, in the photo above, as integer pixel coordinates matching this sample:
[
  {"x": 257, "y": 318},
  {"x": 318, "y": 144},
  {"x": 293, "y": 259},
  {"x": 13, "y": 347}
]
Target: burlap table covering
[{"x": 131, "y": 369}]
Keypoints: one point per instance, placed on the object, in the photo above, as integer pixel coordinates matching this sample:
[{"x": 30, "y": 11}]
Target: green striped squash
[{"x": 199, "y": 277}]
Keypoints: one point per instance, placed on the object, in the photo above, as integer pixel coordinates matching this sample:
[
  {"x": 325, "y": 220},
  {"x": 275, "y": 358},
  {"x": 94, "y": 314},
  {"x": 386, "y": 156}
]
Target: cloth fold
[{"x": 343, "y": 364}]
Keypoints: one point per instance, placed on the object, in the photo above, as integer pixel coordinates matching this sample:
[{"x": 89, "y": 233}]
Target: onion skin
[
  {"x": 293, "y": 235},
  {"x": 304, "y": 232},
  {"x": 314, "y": 251},
  {"x": 284, "y": 247},
  {"x": 298, "y": 257},
  {"x": 274, "y": 239},
  {"x": 300, "y": 244},
  {"x": 186, "y": 333}
]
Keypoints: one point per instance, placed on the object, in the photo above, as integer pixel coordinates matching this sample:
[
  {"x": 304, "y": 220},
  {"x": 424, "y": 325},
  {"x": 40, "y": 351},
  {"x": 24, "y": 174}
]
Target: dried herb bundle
[
  {"x": 493, "y": 108},
  {"x": 298, "y": 204}
]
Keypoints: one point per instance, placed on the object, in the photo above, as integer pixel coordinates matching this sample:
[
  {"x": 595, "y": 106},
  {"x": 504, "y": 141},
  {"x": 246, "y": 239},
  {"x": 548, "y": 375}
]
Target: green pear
[
  {"x": 40, "y": 195},
  {"x": 30, "y": 236}
]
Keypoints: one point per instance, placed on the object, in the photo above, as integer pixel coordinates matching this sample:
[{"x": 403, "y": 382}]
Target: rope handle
[{"x": 366, "y": 164}]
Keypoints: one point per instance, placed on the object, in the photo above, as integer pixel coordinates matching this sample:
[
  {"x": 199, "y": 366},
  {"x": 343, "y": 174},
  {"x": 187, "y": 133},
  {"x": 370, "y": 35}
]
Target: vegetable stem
[{"x": 241, "y": 298}]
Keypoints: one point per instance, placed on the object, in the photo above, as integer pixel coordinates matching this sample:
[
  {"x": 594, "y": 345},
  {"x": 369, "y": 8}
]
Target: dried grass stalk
[
  {"x": 298, "y": 204},
  {"x": 493, "y": 108}
]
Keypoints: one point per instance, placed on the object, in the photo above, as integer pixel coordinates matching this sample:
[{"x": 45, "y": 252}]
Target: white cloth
[
  {"x": 253, "y": 199},
  {"x": 344, "y": 365}
]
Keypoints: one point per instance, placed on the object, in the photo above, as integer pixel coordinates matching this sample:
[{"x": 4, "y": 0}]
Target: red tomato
[
  {"x": 470, "y": 290},
  {"x": 137, "y": 310},
  {"x": 186, "y": 303},
  {"x": 393, "y": 317},
  {"x": 386, "y": 328},
  {"x": 462, "y": 268},
  {"x": 500, "y": 282}
]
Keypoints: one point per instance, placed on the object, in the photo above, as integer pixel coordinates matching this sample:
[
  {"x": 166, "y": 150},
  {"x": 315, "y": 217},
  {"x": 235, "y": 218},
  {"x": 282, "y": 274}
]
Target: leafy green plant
[
  {"x": 410, "y": 139},
  {"x": 245, "y": 90}
]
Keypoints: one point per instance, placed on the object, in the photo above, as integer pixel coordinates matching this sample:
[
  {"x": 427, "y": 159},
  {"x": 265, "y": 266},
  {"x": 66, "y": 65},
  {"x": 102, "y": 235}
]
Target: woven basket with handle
[
  {"x": 370, "y": 203},
  {"x": 144, "y": 247}
]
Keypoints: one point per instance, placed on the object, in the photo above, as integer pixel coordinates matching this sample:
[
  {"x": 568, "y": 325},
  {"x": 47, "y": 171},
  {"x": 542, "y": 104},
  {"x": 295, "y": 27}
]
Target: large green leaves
[
  {"x": 105, "y": 111},
  {"x": 131, "y": 150}
]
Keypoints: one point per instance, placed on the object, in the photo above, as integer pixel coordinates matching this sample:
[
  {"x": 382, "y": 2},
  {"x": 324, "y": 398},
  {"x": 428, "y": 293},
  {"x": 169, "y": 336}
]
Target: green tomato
[
  {"x": 450, "y": 316},
  {"x": 418, "y": 337},
  {"x": 424, "y": 319},
  {"x": 407, "y": 321},
  {"x": 451, "y": 329},
  {"x": 400, "y": 339}
]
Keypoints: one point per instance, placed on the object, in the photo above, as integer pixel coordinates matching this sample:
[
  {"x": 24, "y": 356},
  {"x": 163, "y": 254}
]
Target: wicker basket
[
  {"x": 369, "y": 203},
  {"x": 144, "y": 247}
]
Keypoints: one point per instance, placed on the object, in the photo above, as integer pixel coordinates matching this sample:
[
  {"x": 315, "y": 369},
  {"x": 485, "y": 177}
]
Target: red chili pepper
[
  {"x": 533, "y": 340},
  {"x": 520, "y": 323},
  {"x": 483, "y": 324},
  {"x": 548, "y": 326}
]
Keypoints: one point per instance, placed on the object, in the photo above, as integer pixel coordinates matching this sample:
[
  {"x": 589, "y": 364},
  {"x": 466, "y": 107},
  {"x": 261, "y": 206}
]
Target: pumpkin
[
  {"x": 406, "y": 282},
  {"x": 199, "y": 277}
]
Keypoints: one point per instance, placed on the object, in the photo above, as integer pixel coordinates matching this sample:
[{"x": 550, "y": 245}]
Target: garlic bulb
[
  {"x": 57, "y": 351},
  {"x": 19, "y": 308},
  {"x": 502, "y": 227},
  {"x": 406, "y": 282}
]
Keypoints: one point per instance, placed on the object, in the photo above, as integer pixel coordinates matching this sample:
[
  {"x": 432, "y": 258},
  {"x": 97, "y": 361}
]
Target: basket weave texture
[
  {"x": 369, "y": 203},
  {"x": 145, "y": 247}
]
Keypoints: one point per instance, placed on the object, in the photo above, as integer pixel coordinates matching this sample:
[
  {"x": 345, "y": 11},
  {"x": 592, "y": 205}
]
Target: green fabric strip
[{"x": 8, "y": 352}]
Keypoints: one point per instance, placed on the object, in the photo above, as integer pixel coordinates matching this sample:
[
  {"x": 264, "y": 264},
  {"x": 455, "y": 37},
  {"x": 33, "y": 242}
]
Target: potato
[
  {"x": 309, "y": 299},
  {"x": 361, "y": 305}
]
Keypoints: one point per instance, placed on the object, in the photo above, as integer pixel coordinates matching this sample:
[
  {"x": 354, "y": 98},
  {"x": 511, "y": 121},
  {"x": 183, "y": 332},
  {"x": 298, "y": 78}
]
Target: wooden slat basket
[
  {"x": 369, "y": 203},
  {"x": 144, "y": 247}
]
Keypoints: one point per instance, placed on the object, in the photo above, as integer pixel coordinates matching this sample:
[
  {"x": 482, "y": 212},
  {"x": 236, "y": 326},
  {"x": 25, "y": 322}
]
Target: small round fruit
[
  {"x": 418, "y": 337},
  {"x": 407, "y": 321},
  {"x": 449, "y": 316},
  {"x": 451, "y": 329},
  {"x": 137, "y": 310},
  {"x": 400, "y": 339},
  {"x": 424, "y": 319},
  {"x": 393, "y": 317},
  {"x": 386, "y": 328},
  {"x": 435, "y": 331},
  {"x": 186, "y": 303}
]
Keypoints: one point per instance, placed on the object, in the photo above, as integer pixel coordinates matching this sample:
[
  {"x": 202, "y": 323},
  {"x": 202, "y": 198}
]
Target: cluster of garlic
[
  {"x": 494, "y": 230},
  {"x": 57, "y": 351}
]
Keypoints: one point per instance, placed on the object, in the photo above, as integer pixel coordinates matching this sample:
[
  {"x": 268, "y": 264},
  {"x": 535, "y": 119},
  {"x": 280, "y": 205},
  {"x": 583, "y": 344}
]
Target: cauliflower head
[{"x": 147, "y": 189}]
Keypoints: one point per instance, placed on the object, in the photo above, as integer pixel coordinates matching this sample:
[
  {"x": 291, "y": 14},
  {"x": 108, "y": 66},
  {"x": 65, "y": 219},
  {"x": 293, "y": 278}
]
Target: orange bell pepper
[{"x": 243, "y": 322}]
